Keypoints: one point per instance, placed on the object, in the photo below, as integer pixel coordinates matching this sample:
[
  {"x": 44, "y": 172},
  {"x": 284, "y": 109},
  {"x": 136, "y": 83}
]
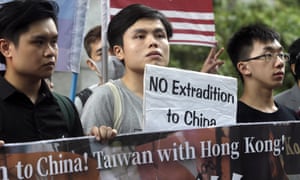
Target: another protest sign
[
  {"x": 230, "y": 152},
  {"x": 180, "y": 99}
]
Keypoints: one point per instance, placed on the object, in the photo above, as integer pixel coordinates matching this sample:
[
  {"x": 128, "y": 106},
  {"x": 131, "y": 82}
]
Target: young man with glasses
[{"x": 259, "y": 58}]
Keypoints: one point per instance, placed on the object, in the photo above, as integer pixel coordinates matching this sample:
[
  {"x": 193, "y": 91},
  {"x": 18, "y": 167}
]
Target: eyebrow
[
  {"x": 271, "y": 48},
  {"x": 41, "y": 36},
  {"x": 144, "y": 30}
]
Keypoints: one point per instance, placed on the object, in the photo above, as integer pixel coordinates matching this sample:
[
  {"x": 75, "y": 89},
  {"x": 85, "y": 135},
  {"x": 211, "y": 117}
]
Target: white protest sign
[{"x": 183, "y": 99}]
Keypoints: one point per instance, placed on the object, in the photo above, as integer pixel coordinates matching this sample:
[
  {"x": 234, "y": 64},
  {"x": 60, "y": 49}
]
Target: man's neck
[
  {"x": 261, "y": 100},
  {"x": 135, "y": 83}
]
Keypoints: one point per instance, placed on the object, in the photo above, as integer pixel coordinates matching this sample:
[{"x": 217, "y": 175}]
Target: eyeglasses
[{"x": 285, "y": 57}]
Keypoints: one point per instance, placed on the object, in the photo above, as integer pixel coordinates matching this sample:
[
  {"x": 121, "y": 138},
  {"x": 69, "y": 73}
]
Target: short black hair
[
  {"x": 16, "y": 17},
  {"x": 128, "y": 16},
  {"x": 294, "y": 51},
  {"x": 240, "y": 44},
  {"x": 93, "y": 35}
]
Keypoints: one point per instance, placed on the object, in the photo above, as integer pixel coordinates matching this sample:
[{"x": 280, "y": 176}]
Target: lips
[
  {"x": 154, "y": 53},
  {"x": 50, "y": 64},
  {"x": 279, "y": 73}
]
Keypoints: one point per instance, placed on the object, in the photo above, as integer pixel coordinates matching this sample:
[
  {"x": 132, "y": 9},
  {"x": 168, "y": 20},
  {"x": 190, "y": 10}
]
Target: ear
[
  {"x": 90, "y": 65},
  {"x": 293, "y": 69},
  {"x": 243, "y": 68},
  {"x": 118, "y": 52},
  {"x": 5, "y": 48}
]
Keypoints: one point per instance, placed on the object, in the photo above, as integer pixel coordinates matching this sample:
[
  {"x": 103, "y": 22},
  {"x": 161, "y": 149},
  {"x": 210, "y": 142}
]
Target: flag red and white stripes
[{"x": 192, "y": 20}]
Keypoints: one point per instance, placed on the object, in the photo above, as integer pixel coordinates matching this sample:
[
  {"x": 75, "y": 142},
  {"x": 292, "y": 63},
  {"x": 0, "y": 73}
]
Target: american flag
[{"x": 192, "y": 20}]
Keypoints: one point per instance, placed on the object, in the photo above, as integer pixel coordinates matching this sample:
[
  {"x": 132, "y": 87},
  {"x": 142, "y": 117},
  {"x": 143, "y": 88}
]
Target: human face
[
  {"x": 94, "y": 63},
  {"x": 145, "y": 42},
  {"x": 35, "y": 55},
  {"x": 96, "y": 50},
  {"x": 269, "y": 74}
]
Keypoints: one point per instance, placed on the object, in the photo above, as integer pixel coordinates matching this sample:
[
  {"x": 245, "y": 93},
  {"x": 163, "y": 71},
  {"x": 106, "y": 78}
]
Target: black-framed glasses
[{"x": 285, "y": 57}]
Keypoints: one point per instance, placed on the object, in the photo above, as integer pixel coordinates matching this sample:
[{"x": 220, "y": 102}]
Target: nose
[
  {"x": 279, "y": 62},
  {"x": 51, "y": 50},
  {"x": 152, "y": 41}
]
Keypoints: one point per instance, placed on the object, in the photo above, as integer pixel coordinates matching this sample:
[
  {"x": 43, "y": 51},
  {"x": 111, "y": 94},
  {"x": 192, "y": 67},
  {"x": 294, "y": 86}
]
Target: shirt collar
[{"x": 7, "y": 89}]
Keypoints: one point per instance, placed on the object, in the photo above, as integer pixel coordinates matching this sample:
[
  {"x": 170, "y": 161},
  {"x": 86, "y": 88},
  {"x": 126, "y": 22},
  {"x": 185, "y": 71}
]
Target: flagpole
[
  {"x": 104, "y": 25},
  {"x": 73, "y": 86}
]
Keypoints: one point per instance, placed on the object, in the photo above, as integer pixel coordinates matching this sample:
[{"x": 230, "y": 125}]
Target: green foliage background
[{"x": 281, "y": 15}]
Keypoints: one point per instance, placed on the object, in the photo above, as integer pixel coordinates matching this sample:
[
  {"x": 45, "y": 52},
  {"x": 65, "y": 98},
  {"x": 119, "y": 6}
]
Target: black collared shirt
[{"x": 23, "y": 121}]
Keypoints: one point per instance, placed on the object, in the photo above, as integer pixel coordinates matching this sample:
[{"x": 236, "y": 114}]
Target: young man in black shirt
[
  {"x": 259, "y": 58},
  {"x": 28, "y": 44}
]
